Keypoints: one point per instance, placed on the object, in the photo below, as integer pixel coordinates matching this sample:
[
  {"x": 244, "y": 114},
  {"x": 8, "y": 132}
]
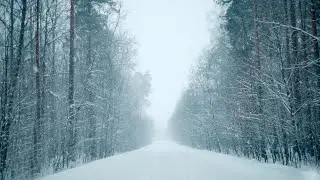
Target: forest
[
  {"x": 70, "y": 91},
  {"x": 255, "y": 92}
]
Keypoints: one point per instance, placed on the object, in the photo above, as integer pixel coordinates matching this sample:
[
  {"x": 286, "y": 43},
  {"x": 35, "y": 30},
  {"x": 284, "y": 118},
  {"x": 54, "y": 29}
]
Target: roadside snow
[{"x": 164, "y": 160}]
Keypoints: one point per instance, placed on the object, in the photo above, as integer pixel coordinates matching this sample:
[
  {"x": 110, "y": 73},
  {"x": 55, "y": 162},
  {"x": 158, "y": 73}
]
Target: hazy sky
[{"x": 171, "y": 35}]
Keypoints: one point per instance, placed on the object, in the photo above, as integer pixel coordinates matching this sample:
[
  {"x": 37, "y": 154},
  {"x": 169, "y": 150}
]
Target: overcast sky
[{"x": 171, "y": 35}]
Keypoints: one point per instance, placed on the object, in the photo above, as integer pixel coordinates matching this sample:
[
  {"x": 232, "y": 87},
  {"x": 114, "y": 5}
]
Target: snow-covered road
[{"x": 165, "y": 160}]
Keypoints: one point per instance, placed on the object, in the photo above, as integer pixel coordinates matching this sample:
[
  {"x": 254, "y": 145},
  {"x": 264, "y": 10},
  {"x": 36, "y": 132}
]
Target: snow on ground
[{"x": 165, "y": 160}]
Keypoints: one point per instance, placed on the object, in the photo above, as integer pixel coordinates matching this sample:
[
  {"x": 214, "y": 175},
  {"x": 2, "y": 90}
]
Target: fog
[{"x": 171, "y": 35}]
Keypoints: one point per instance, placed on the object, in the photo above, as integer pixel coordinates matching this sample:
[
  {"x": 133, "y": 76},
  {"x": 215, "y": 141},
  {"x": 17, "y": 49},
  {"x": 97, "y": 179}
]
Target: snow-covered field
[{"x": 165, "y": 160}]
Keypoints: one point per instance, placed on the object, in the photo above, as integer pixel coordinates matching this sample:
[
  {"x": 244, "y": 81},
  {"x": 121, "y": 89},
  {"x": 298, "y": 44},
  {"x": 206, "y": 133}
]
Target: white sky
[{"x": 171, "y": 35}]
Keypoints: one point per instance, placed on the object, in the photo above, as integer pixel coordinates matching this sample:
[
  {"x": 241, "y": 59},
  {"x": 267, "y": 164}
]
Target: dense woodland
[
  {"x": 69, "y": 90},
  {"x": 255, "y": 92}
]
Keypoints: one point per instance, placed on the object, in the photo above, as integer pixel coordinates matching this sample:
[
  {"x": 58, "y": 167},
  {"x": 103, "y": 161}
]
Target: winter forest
[
  {"x": 69, "y": 89},
  {"x": 71, "y": 92},
  {"x": 255, "y": 92}
]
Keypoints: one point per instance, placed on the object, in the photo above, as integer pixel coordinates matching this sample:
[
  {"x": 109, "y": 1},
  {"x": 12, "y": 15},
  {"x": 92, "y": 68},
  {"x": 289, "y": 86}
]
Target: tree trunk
[
  {"x": 71, "y": 116},
  {"x": 4, "y": 94},
  {"x": 316, "y": 55},
  {"x": 261, "y": 124},
  {"x": 53, "y": 110},
  {"x": 35, "y": 164},
  {"x": 89, "y": 90},
  {"x": 296, "y": 97}
]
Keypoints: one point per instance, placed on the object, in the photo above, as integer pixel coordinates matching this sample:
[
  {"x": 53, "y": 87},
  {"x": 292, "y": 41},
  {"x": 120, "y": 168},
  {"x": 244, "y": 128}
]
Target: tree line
[
  {"x": 255, "y": 91},
  {"x": 70, "y": 93}
]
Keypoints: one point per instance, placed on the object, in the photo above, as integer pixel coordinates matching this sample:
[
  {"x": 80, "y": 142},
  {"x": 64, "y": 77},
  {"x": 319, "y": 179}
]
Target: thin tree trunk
[
  {"x": 89, "y": 94},
  {"x": 261, "y": 124},
  {"x": 296, "y": 99},
  {"x": 53, "y": 113},
  {"x": 35, "y": 164},
  {"x": 71, "y": 116},
  {"x": 316, "y": 55},
  {"x": 286, "y": 80},
  {"x": 5, "y": 82}
]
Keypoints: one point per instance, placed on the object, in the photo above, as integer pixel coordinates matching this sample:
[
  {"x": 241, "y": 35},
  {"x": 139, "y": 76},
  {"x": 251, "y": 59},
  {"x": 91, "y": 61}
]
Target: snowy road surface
[{"x": 166, "y": 160}]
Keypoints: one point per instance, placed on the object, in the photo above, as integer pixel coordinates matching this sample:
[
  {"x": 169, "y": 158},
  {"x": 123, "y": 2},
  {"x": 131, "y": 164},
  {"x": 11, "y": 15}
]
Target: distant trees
[
  {"x": 256, "y": 92},
  {"x": 69, "y": 91}
]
